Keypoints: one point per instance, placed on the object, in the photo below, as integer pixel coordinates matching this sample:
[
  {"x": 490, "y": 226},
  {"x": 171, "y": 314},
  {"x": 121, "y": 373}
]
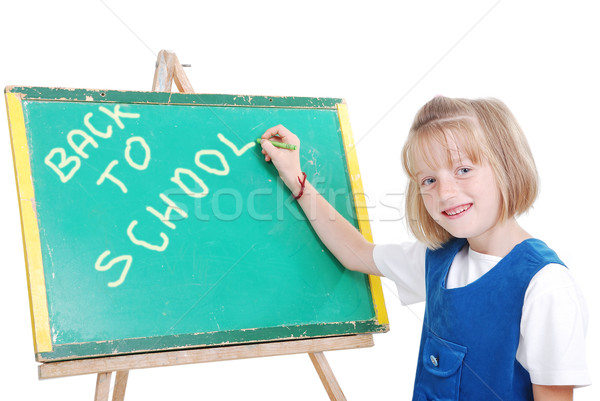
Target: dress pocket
[{"x": 442, "y": 369}]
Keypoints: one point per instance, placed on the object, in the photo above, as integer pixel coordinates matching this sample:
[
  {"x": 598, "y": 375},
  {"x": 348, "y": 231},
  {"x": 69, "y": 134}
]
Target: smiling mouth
[{"x": 455, "y": 211}]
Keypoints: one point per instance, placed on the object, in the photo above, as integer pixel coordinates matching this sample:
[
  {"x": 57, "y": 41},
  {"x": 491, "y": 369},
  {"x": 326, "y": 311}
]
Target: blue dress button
[{"x": 434, "y": 360}]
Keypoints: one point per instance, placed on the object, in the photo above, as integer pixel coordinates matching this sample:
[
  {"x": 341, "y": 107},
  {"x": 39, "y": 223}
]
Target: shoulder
[
  {"x": 553, "y": 290},
  {"x": 388, "y": 255},
  {"x": 393, "y": 260},
  {"x": 554, "y": 287},
  {"x": 404, "y": 264},
  {"x": 536, "y": 251},
  {"x": 552, "y": 278}
]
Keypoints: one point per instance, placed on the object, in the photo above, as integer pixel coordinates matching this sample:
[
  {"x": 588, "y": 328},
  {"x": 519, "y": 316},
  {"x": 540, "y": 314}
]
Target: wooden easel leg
[
  {"x": 102, "y": 386},
  {"x": 120, "y": 385},
  {"x": 327, "y": 377}
]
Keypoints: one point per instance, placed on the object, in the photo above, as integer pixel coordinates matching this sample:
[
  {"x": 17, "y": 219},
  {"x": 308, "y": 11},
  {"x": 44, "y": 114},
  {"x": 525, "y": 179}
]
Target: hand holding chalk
[{"x": 279, "y": 151}]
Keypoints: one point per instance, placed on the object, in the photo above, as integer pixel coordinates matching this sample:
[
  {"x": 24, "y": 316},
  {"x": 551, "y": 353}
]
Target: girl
[{"x": 504, "y": 319}]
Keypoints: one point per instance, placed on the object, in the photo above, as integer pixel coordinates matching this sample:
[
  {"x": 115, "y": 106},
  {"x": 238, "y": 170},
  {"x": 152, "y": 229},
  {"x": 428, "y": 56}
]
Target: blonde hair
[{"x": 484, "y": 130}]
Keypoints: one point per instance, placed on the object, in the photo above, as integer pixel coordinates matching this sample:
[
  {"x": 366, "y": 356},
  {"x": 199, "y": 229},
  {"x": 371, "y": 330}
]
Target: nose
[{"x": 447, "y": 188}]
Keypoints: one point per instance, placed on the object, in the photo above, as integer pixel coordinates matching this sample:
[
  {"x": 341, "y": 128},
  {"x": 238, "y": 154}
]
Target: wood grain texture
[
  {"x": 169, "y": 69},
  {"x": 328, "y": 379},
  {"x": 102, "y": 386},
  {"x": 172, "y": 358},
  {"x": 120, "y": 385}
]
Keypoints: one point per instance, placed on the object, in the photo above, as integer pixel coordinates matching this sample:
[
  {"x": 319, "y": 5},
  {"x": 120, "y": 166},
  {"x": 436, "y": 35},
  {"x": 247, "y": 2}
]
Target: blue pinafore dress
[{"x": 471, "y": 334}]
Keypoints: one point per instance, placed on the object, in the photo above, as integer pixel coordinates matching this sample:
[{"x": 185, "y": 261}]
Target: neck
[{"x": 499, "y": 240}]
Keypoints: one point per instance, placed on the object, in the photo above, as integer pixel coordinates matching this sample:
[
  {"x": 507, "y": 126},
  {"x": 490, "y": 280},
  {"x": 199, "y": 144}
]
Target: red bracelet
[{"x": 302, "y": 184}]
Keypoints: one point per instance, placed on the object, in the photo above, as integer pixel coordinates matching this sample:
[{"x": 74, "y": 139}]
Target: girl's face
[{"x": 459, "y": 195}]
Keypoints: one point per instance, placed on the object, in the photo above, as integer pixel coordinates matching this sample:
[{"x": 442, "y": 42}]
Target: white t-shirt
[{"x": 554, "y": 319}]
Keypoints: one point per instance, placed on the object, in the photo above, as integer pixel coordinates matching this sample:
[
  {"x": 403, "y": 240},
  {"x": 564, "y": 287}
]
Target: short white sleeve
[
  {"x": 404, "y": 264},
  {"x": 553, "y": 326}
]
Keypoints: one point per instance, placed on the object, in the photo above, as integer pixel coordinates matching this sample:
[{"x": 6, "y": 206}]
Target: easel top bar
[{"x": 141, "y": 97}]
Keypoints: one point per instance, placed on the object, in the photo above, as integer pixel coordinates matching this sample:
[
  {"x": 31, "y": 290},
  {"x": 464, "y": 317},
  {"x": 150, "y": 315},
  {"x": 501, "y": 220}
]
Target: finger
[
  {"x": 268, "y": 147},
  {"x": 276, "y": 130},
  {"x": 267, "y": 157},
  {"x": 283, "y": 133}
]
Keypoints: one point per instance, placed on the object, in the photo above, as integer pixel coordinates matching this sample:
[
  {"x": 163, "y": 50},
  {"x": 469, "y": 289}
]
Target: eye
[
  {"x": 463, "y": 170},
  {"x": 427, "y": 181}
]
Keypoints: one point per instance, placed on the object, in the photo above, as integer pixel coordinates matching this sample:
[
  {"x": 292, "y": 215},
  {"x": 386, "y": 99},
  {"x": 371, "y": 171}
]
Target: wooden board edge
[
  {"x": 172, "y": 98},
  {"x": 362, "y": 214},
  {"x": 72, "y": 351},
  {"x": 171, "y": 358},
  {"x": 38, "y": 302}
]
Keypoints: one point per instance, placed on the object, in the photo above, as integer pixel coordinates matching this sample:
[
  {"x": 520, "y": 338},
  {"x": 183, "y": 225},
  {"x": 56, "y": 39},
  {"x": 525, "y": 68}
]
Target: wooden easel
[
  {"x": 168, "y": 69},
  {"x": 105, "y": 366}
]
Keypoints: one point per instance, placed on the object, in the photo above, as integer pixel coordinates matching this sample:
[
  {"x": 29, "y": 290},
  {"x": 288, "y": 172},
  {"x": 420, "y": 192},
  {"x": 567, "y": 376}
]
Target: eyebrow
[{"x": 455, "y": 161}]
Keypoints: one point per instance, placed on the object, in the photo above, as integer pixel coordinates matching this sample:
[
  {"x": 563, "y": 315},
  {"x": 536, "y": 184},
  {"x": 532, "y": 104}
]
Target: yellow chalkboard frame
[
  {"x": 361, "y": 206},
  {"x": 31, "y": 241}
]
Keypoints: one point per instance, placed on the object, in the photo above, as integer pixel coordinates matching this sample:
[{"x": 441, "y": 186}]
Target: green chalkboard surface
[{"x": 152, "y": 222}]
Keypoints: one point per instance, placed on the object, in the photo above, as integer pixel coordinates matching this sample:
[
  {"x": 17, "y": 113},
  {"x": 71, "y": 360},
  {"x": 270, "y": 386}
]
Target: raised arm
[{"x": 344, "y": 241}]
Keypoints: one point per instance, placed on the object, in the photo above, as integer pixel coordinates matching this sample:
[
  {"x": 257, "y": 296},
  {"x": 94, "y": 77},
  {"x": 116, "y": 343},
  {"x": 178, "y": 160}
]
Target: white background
[{"x": 386, "y": 59}]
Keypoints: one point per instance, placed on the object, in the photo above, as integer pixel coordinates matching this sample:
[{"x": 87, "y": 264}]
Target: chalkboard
[{"x": 152, "y": 222}]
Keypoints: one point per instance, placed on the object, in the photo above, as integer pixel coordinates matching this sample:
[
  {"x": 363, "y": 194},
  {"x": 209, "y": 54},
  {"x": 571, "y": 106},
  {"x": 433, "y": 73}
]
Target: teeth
[{"x": 457, "y": 211}]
